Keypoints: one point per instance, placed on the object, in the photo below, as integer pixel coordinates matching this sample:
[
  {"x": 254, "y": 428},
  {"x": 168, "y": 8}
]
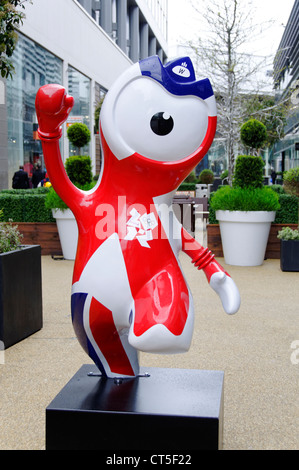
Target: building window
[
  {"x": 34, "y": 66},
  {"x": 79, "y": 87},
  {"x": 159, "y": 10},
  {"x": 100, "y": 93}
]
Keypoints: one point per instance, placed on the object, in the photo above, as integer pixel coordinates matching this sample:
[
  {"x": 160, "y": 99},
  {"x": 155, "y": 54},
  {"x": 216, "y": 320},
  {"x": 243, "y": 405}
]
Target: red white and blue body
[{"x": 129, "y": 292}]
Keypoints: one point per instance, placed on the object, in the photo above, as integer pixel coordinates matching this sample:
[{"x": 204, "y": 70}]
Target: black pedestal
[{"x": 172, "y": 409}]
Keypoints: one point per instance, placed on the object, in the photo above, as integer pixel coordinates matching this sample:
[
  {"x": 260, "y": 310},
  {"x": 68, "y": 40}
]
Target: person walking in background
[
  {"x": 20, "y": 179},
  {"x": 273, "y": 176},
  {"x": 37, "y": 175}
]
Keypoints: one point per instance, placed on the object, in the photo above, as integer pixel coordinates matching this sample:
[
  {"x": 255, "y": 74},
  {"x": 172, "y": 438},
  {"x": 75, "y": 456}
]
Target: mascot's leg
[
  {"x": 163, "y": 315},
  {"x": 101, "y": 307}
]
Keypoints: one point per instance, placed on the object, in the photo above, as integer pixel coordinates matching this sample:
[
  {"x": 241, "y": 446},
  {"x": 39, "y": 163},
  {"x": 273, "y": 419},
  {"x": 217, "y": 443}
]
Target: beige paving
[{"x": 253, "y": 348}]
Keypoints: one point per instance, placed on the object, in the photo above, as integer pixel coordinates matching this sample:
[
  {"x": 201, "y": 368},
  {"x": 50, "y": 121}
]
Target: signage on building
[{"x": 74, "y": 119}]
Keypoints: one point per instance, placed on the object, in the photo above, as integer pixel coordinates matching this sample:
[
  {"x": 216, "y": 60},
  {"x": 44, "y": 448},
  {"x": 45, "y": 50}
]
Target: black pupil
[{"x": 162, "y": 123}]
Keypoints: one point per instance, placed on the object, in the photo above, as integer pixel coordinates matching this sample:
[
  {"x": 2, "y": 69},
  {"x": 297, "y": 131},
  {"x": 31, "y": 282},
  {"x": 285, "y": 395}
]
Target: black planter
[
  {"x": 289, "y": 255},
  {"x": 20, "y": 294}
]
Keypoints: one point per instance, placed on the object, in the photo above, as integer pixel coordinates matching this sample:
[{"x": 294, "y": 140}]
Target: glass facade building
[
  {"x": 34, "y": 67},
  {"x": 82, "y": 45},
  {"x": 137, "y": 34},
  {"x": 286, "y": 81},
  {"x": 159, "y": 9},
  {"x": 79, "y": 86}
]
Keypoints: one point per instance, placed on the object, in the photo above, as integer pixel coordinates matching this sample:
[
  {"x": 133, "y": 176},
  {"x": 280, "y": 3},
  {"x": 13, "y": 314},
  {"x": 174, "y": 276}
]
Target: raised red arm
[{"x": 53, "y": 106}]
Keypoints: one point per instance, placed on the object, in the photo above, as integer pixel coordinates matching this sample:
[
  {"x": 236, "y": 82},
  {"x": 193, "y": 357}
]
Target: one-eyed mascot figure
[{"x": 129, "y": 293}]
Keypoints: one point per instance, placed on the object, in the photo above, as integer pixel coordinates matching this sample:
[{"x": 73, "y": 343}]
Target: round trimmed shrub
[
  {"x": 78, "y": 168},
  {"x": 206, "y": 177},
  {"x": 291, "y": 181},
  {"x": 254, "y": 134},
  {"x": 78, "y": 134},
  {"x": 191, "y": 178},
  {"x": 249, "y": 172}
]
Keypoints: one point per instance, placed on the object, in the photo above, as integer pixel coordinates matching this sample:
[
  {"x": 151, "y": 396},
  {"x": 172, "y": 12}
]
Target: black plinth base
[{"x": 172, "y": 409}]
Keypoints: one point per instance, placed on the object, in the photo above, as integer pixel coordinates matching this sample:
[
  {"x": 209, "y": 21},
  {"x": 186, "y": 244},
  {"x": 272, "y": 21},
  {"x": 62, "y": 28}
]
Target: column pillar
[
  {"x": 106, "y": 17},
  {"x": 144, "y": 41},
  {"x": 121, "y": 18},
  {"x": 152, "y": 46},
  {"x": 160, "y": 54},
  {"x": 134, "y": 34}
]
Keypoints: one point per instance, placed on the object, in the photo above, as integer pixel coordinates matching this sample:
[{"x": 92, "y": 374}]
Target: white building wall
[
  {"x": 66, "y": 30},
  {"x": 156, "y": 14}
]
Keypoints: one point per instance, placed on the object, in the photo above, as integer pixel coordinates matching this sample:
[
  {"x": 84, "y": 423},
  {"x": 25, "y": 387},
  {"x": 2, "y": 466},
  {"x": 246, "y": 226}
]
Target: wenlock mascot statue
[{"x": 129, "y": 293}]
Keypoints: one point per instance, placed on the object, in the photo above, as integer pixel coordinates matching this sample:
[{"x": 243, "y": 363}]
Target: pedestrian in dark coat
[{"x": 20, "y": 179}]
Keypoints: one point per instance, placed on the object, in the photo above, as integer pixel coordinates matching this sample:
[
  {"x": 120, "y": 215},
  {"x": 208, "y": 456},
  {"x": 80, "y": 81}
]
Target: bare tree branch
[{"x": 220, "y": 55}]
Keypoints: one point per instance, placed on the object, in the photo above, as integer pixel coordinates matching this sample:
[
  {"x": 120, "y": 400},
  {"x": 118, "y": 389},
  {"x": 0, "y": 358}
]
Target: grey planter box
[
  {"x": 20, "y": 294},
  {"x": 289, "y": 255}
]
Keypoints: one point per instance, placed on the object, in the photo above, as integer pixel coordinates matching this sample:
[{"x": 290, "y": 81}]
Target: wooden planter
[
  {"x": 43, "y": 234},
  {"x": 273, "y": 246},
  {"x": 20, "y": 294}
]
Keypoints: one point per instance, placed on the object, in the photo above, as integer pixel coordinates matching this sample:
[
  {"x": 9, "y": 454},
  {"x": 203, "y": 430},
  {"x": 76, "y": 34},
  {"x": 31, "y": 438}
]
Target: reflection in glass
[
  {"x": 34, "y": 67},
  {"x": 79, "y": 87}
]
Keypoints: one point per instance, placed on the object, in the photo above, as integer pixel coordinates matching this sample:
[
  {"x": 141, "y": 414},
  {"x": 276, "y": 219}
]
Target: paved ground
[{"x": 253, "y": 348}]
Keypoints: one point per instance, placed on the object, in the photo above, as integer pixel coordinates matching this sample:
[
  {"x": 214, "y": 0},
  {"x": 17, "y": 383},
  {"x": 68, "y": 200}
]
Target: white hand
[{"x": 227, "y": 290}]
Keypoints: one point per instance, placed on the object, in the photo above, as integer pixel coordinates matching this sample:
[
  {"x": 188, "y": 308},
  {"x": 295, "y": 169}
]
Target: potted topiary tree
[
  {"x": 245, "y": 212},
  {"x": 78, "y": 168},
  {"x": 206, "y": 177},
  {"x": 79, "y": 135},
  {"x": 205, "y": 182},
  {"x": 289, "y": 238},
  {"x": 254, "y": 135},
  {"x": 20, "y": 287}
]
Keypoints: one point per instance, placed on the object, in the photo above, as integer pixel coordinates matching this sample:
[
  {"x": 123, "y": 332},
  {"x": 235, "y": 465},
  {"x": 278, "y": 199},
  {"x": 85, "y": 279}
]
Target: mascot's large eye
[
  {"x": 150, "y": 121},
  {"x": 162, "y": 123}
]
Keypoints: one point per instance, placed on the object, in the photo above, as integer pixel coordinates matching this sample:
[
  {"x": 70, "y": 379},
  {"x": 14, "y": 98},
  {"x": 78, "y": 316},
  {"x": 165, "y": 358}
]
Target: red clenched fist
[{"x": 52, "y": 106}]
